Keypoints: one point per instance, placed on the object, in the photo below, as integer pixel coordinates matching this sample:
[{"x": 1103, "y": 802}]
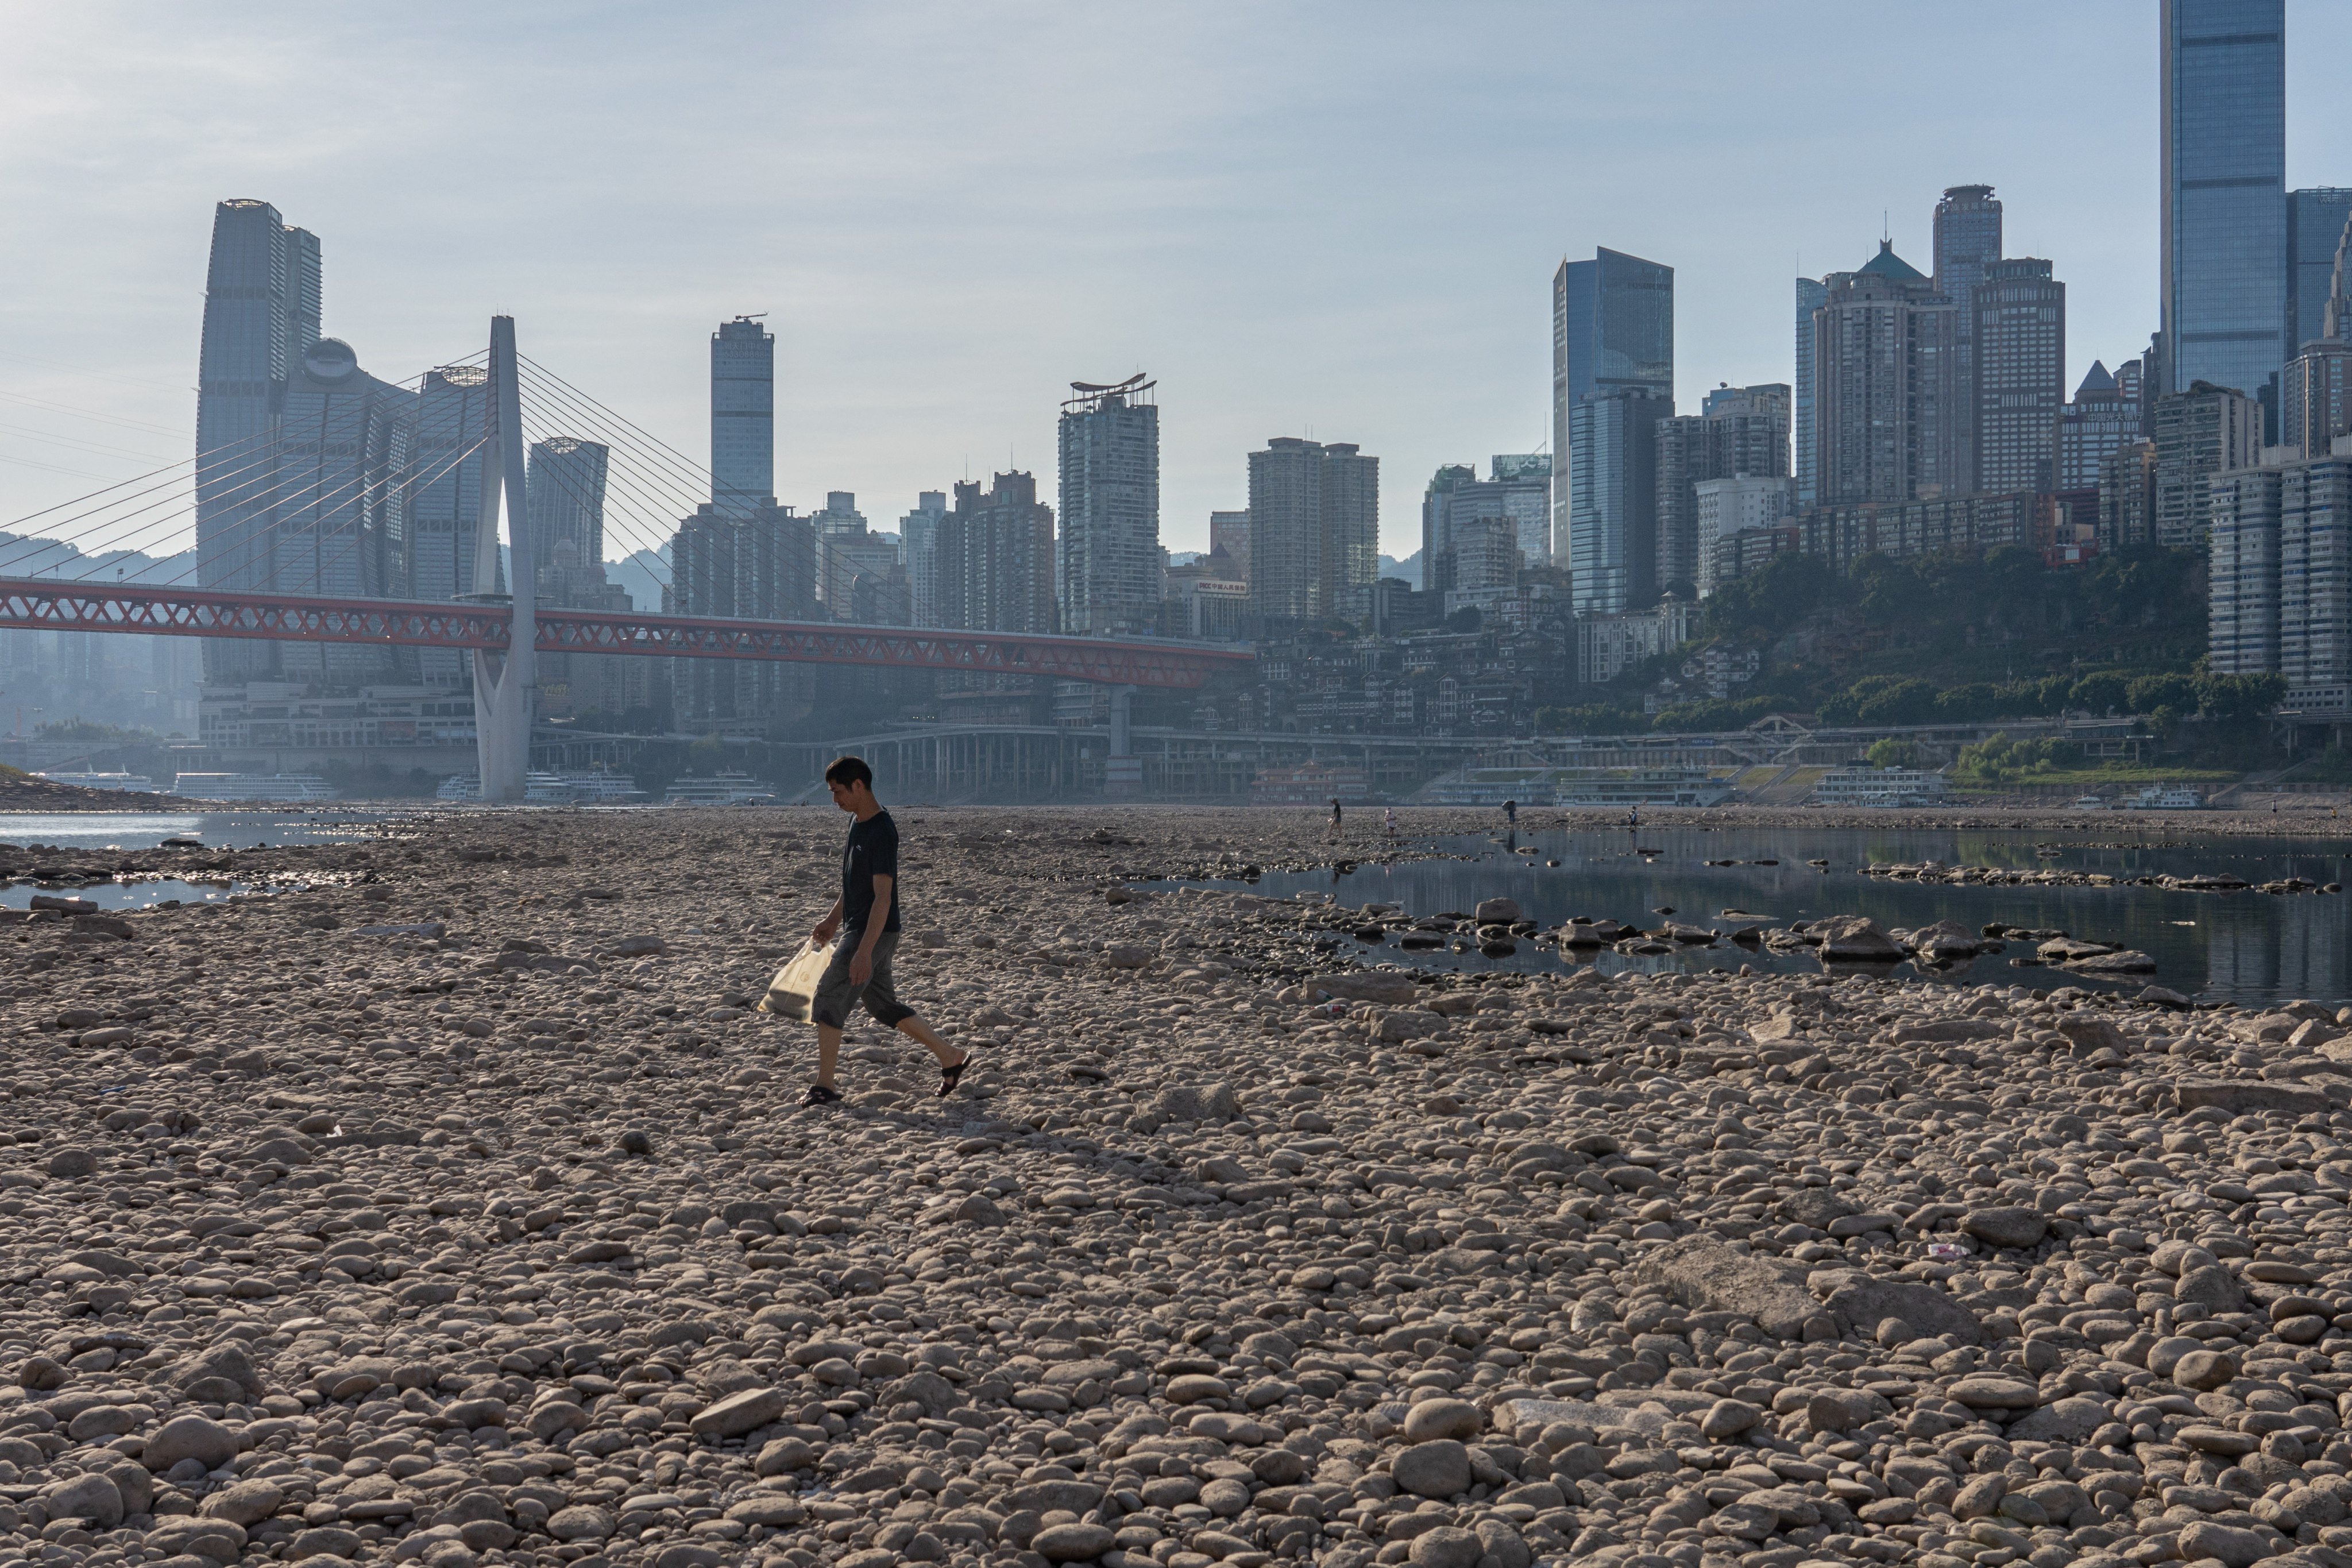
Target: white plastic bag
[{"x": 793, "y": 990}]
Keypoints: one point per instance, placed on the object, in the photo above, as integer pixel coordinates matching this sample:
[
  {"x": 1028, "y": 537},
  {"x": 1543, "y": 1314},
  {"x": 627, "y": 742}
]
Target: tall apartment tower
[
  {"x": 1230, "y": 531},
  {"x": 1887, "y": 381},
  {"x": 995, "y": 569},
  {"x": 2223, "y": 265},
  {"x": 445, "y": 503},
  {"x": 758, "y": 567},
  {"x": 742, "y": 416},
  {"x": 2016, "y": 353},
  {"x": 1107, "y": 561},
  {"x": 1612, "y": 527},
  {"x": 1517, "y": 497},
  {"x": 342, "y": 455},
  {"x": 2281, "y": 573},
  {"x": 566, "y": 499},
  {"x": 2099, "y": 419},
  {"x": 1811, "y": 295},
  {"x": 1314, "y": 530},
  {"x": 1742, "y": 431},
  {"x": 1967, "y": 243},
  {"x": 2241, "y": 596},
  {"x": 262, "y": 296},
  {"x": 2315, "y": 404},
  {"x": 2198, "y": 435},
  {"x": 1613, "y": 329},
  {"x": 2315, "y": 222},
  {"x": 919, "y": 546}
]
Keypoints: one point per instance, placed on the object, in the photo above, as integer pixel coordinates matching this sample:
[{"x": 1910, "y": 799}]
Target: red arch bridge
[{"x": 46, "y": 604}]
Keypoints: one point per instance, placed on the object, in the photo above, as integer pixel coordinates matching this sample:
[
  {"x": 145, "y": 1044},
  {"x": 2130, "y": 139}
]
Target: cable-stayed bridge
[{"x": 283, "y": 516}]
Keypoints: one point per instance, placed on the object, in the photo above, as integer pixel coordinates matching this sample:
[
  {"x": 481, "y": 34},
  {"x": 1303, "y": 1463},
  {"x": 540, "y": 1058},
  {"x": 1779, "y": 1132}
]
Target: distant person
[
  {"x": 1634, "y": 815},
  {"x": 1511, "y": 814},
  {"x": 866, "y": 916},
  {"x": 1388, "y": 825},
  {"x": 1331, "y": 832}
]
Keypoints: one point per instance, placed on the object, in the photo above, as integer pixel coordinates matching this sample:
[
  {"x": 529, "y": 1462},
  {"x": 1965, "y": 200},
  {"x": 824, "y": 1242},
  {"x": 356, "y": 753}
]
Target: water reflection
[
  {"x": 217, "y": 829},
  {"x": 2245, "y": 947}
]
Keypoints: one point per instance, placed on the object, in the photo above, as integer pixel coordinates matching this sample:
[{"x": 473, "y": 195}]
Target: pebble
[{"x": 446, "y": 1211}]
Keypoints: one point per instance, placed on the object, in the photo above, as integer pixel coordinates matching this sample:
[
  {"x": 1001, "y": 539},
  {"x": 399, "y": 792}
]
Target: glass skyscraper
[
  {"x": 1613, "y": 524},
  {"x": 262, "y": 294},
  {"x": 2314, "y": 226},
  {"x": 2224, "y": 267},
  {"x": 742, "y": 416},
  {"x": 1811, "y": 295},
  {"x": 1613, "y": 329}
]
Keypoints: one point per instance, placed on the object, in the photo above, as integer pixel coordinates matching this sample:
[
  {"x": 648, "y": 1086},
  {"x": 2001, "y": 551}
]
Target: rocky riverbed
[{"x": 459, "y": 1209}]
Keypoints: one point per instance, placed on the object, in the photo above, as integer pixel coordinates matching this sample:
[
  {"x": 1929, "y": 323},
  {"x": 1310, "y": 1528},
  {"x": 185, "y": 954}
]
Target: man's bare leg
[
  {"x": 828, "y": 1053},
  {"x": 916, "y": 1030}
]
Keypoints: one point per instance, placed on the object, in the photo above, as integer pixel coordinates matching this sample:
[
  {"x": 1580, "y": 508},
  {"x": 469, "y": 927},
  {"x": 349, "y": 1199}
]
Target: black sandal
[
  {"x": 821, "y": 1094},
  {"x": 951, "y": 1077}
]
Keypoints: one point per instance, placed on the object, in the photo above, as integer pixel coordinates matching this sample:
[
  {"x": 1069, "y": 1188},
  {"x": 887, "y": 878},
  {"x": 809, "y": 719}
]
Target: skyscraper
[
  {"x": 1517, "y": 495},
  {"x": 1967, "y": 243},
  {"x": 743, "y": 415},
  {"x": 262, "y": 295},
  {"x": 1315, "y": 528},
  {"x": 339, "y": 500},
  {"x": 996, "y": 557},
  {"x": 848, "y": 554},
  {"x": 566, "y": 497},
  {"x": 1743, "y": 430},
  {"x": 1107, "y": 561},
  {"x": 2100, "y": 419},
  {"x": 445, "y": 503},
  {"x": 761, "y": 566},
  {"x": 2017, "y": 353},
  {"x": 1811, "y": 295},
  {"x": 1612, "y": 525},
  {"x": 2198, "y": 435},
  {"x": 1885, "y": 384},
  {"x": 1612, "y": 327},
  {"x": 2223, "y": 268},
  {"x": 919, "y": 546},
  {"x": 1230, "y": 531},
  {"x": 2316, "y": 221}
]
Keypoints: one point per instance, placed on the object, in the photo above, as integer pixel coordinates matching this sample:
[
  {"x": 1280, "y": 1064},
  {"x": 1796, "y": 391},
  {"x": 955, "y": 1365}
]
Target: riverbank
[{"x": 460, "y": 1209}]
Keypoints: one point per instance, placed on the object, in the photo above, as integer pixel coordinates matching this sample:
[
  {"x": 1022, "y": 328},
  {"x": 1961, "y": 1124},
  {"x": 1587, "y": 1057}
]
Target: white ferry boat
[
  {"x": 2090, "y": 803},
  {"x": 726, "y": 788},
  {"x": 2156, "y": 797},
  {"x": 282, "y": 788},
  {"x": 543, "y": 788},
  {"x": 139, "y": 782}
]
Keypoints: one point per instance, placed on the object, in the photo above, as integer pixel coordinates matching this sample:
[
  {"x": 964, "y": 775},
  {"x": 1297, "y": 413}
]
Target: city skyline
[{"x": 1427, "y": 356}]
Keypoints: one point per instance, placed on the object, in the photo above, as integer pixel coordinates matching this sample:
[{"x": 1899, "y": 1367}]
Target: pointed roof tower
[
  {"x": 1886, "y": 264},
  {"x": 2096, "y": 380}
]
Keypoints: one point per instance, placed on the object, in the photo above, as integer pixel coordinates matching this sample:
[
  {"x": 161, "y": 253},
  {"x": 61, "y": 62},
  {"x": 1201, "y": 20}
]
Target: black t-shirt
[{"x": 872, "y": 851}]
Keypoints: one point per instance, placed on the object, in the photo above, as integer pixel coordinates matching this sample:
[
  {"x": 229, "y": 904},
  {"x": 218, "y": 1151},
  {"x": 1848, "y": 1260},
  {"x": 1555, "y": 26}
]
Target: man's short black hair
[{"x": 849, "y": 771}]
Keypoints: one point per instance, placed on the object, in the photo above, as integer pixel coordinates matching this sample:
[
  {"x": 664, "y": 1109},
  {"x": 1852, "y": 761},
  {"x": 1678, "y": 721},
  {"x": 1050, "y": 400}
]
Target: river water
[
  {"x": 2244, "y": 947},
  {"x": 218, "y": 829}
]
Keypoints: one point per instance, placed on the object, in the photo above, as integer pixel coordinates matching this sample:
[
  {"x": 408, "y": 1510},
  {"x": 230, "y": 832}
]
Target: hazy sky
[{"x": 1332, "y": 220}]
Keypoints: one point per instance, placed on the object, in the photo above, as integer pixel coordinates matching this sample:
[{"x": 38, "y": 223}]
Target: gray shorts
[{"x": 835, "y": 996}]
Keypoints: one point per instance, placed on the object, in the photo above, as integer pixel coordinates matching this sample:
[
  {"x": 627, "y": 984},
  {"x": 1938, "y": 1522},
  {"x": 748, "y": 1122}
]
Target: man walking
[{"x": 866, "y": 916}]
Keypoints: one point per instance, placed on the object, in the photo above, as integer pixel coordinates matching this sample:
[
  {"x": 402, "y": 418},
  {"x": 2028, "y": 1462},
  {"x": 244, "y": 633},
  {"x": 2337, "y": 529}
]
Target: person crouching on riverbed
[{"x": 866, "y": 916}]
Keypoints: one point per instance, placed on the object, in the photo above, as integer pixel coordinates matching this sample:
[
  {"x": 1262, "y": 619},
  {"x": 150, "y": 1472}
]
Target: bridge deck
[{"x": 48, "y": 605}]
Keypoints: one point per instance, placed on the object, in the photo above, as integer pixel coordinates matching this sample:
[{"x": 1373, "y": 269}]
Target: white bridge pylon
[{"x": 506, "y": 684}]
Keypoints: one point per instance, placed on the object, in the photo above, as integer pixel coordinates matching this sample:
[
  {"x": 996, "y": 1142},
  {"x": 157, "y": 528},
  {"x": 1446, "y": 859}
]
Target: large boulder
[
  {"x": 1855, "y": 938},
  {"x": 1497, "y": 911},
  {"x": 1700, "y": 1271}
]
